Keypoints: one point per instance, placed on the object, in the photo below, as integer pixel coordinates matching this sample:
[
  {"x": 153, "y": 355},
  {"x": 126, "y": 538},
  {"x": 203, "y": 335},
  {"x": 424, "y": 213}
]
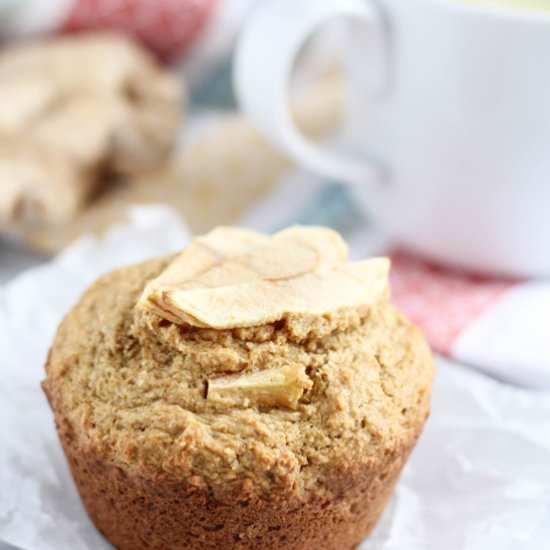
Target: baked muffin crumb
[{"x": 130, "y": 394}]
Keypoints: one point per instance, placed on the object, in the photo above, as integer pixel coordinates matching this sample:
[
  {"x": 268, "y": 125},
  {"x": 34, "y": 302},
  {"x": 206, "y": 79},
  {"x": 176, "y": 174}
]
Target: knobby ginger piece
[
  {"x": 238, "y": 278},
  {"x": 73, "y": 110},
  {"x": 194, "y": 181},
  {"x": 281, "y": 387},
  {"x": 27, "y": 199}
]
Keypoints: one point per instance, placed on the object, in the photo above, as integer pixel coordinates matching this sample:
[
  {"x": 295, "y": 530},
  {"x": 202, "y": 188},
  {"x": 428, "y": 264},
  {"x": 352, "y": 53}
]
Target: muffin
[{"x": 252, "y": 392}]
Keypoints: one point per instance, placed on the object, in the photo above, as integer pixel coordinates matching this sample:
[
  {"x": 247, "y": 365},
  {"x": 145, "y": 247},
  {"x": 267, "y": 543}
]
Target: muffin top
[{"x": 246, "y": 362}]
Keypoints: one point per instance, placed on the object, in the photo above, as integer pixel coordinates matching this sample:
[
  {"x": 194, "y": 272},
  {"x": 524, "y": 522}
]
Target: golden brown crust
[{"x": 142, "y": 513}]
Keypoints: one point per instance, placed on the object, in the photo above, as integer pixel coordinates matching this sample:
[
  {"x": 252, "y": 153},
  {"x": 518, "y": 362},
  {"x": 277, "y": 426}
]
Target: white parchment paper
[{"x": 478, "y": 480}]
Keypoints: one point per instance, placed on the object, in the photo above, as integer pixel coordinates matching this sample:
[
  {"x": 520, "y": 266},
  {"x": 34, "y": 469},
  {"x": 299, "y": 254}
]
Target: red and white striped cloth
[
  {"x": 168, "y": 27},
  {"x": 500, "y": 326}
]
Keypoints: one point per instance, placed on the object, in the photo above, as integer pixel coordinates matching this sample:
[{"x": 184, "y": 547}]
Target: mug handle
[{"x": 265, "y": 54}]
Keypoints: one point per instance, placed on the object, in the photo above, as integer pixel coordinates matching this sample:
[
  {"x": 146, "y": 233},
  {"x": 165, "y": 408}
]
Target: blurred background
[
  {"x": 110, "y": 103},
  {"x": 106, "y": 105}
]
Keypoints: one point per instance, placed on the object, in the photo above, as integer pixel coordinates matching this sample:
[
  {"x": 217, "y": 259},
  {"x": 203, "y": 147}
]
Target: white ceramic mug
[{"x": 448, "y": 117}]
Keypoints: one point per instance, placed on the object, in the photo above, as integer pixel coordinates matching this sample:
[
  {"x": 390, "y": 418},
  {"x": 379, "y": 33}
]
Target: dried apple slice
[
  {"x": 280, "y": 387},
  {"x": 237, "y": 278}
]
